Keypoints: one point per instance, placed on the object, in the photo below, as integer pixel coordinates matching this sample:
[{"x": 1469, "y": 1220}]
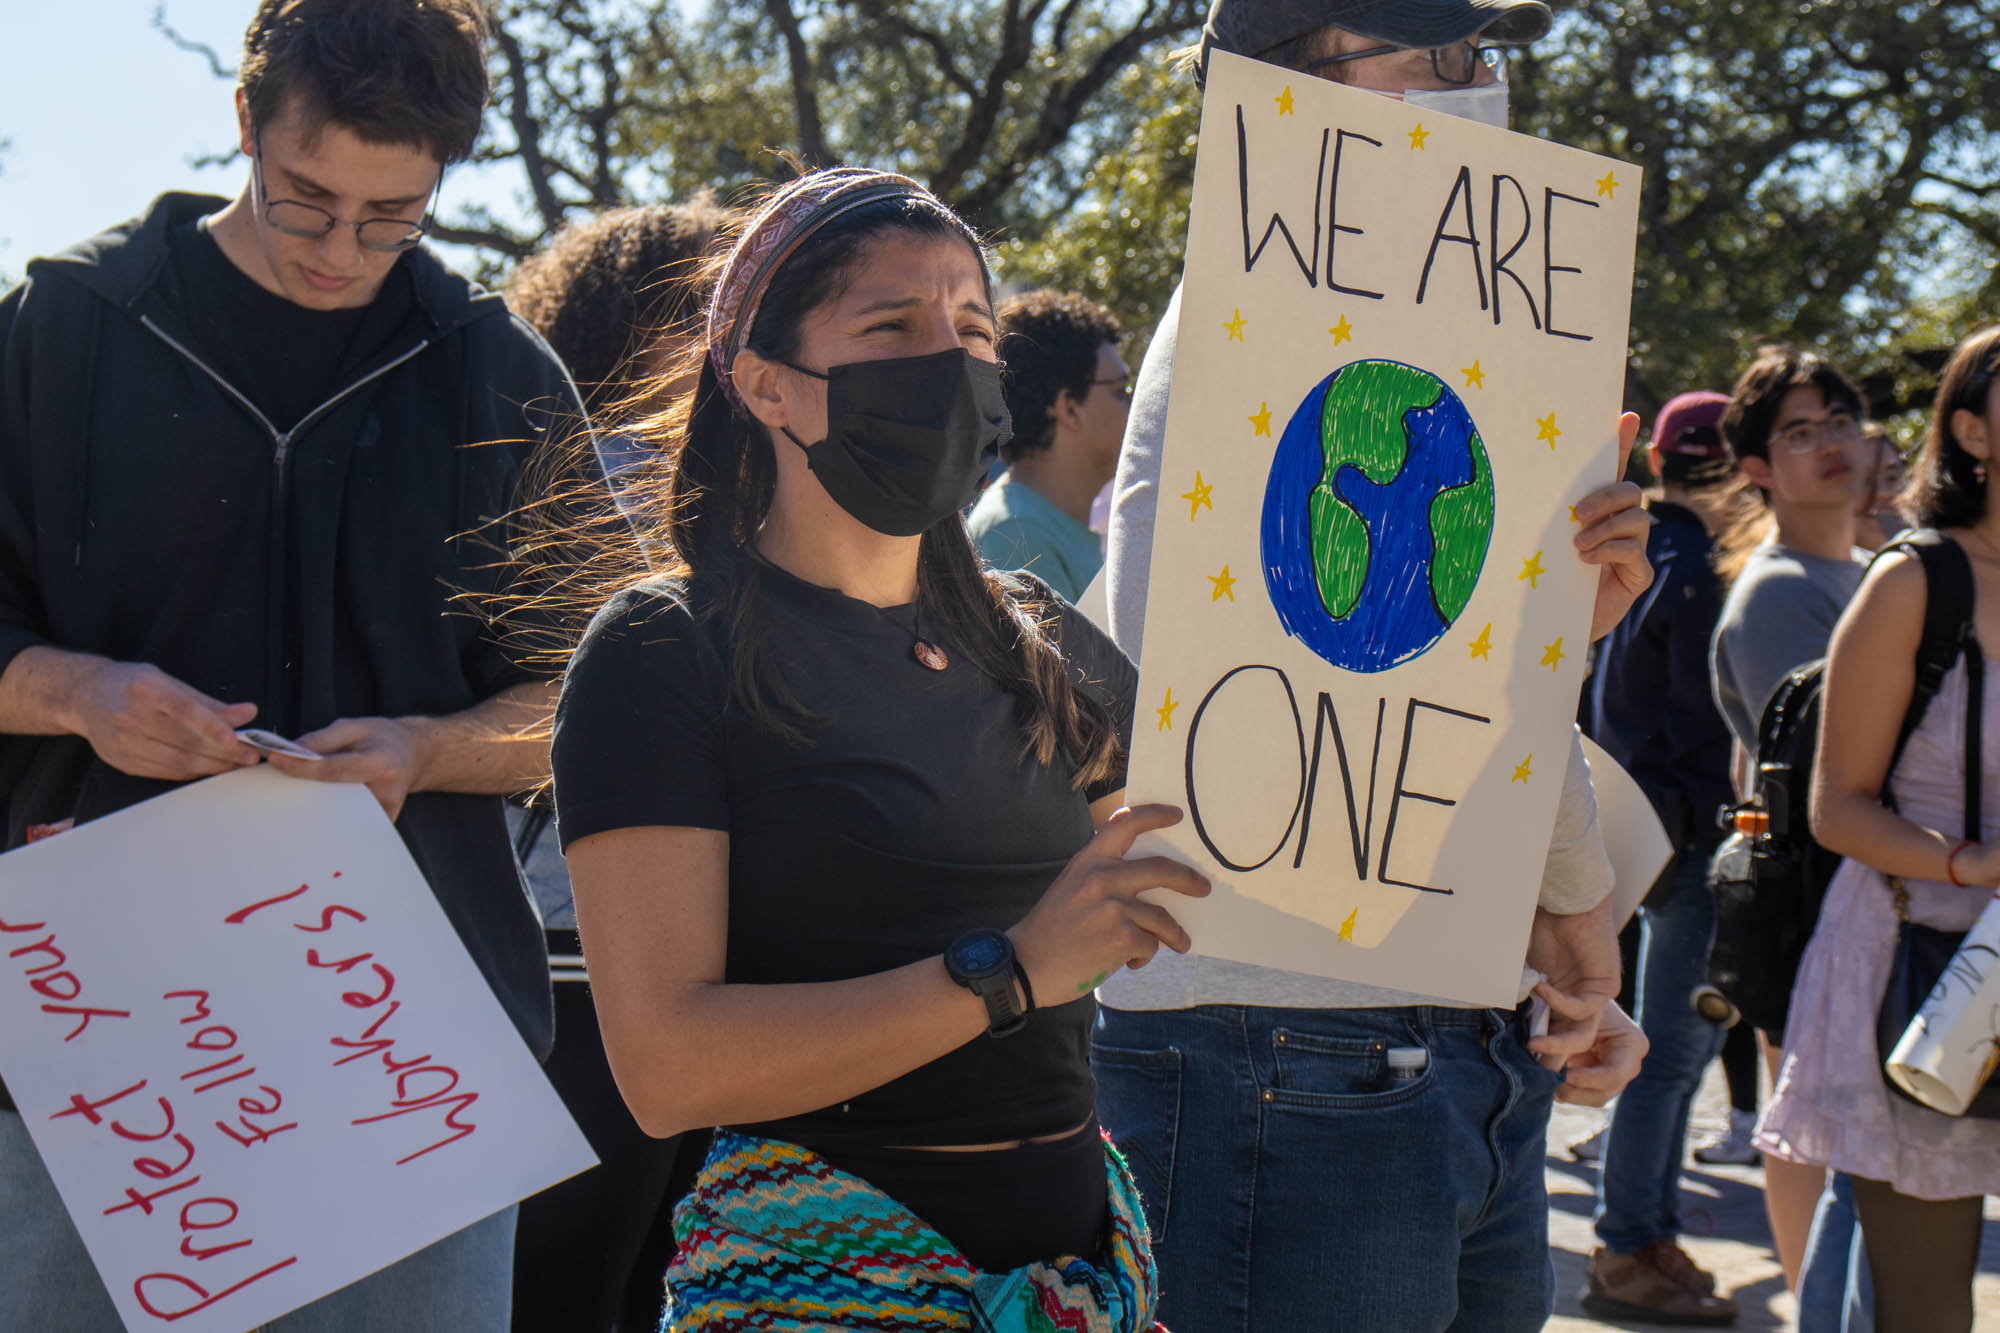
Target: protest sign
[
  {"x": 1949, "y": 1051},
  {"x": 253, "y": 1053},
  {"x": 1399, "y": 363}
]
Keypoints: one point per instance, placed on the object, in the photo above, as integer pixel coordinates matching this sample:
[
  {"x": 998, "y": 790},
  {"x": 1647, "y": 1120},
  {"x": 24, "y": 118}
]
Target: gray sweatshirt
[
  {"x": 1779, "y": 614},
  {"x": 1575, "y": 878}
]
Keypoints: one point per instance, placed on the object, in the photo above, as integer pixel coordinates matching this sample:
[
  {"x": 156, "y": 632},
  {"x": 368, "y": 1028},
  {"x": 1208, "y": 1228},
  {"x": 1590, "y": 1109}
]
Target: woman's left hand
[{"x": 1613, "y": 535}]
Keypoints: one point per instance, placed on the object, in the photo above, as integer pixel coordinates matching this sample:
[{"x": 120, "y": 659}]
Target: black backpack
[{"x": 1770, "y": 880}]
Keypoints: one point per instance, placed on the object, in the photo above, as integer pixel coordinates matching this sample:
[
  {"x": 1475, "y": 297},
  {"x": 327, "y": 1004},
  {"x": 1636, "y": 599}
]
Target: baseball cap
[
  {"x": 1688, "y": 435},
  {"x": 1252, "y": 27}
]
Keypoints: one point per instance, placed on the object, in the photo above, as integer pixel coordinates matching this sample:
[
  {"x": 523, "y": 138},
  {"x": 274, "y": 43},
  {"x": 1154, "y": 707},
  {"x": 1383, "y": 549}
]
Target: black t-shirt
[
  {"x": 912, "y": 816},
  {"x": 286, "y": 358}
]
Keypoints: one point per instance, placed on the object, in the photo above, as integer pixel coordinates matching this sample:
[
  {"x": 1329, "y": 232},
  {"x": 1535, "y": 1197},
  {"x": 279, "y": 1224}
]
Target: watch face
[{"x": 981, "y": 953}]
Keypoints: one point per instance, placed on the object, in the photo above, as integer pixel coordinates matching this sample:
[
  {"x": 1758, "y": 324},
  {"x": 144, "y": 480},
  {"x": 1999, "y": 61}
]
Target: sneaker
[
  {"x": 1667, "y": 1256},
  {"x": 1732, "y": 1147},
  {"x": 1640, "y": 1287},
  {"x": 1589, "y": 1148}
]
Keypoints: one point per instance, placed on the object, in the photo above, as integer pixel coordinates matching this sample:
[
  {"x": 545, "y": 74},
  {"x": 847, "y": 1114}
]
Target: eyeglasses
[
  {"x": 1124, "y": 386},
  {"x": 1457, "y": 65},
  {"x": 309, "y": 222},
  {"x": 1802, "y": 437}
]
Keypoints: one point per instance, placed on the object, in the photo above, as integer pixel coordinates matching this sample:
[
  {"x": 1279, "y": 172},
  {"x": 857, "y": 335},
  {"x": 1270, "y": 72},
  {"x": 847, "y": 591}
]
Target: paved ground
[{"x": 1724, "y": 1211}]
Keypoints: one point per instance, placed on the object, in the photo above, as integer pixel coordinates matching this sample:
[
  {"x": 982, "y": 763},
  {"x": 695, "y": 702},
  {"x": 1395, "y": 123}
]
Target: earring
[{"x": 1979, "y": 473}]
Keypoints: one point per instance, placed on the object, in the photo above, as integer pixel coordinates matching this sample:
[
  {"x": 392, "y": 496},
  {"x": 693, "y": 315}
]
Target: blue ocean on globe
[{"x": 1377, "y": 515}]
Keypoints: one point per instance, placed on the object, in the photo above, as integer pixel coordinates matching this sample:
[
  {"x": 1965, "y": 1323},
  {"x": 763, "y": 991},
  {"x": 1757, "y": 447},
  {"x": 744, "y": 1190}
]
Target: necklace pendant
[{"x": 930, "y": 655}]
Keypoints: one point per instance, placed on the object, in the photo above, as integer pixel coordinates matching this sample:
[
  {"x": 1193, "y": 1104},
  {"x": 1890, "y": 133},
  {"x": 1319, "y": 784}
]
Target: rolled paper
[{"x": 1951, "y": 1047}]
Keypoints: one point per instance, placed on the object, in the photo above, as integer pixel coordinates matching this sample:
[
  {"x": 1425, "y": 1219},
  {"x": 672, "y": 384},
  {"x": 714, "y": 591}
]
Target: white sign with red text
[{"x": 253, "y": 1053}]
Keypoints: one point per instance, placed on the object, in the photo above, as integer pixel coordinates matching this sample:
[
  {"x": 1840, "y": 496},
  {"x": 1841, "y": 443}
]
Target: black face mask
[{"x": 908, "y": 439}]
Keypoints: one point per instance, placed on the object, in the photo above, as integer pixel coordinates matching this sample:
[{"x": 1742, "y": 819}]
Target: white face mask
[{"x": 1486, "y": 104}]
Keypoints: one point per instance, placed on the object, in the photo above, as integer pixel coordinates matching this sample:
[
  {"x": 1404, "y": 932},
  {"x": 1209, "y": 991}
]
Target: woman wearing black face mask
[{"x": 838, "y": 804}]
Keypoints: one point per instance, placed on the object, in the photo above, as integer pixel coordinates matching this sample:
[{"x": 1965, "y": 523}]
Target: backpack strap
[{"x": 1947, "y": 634}]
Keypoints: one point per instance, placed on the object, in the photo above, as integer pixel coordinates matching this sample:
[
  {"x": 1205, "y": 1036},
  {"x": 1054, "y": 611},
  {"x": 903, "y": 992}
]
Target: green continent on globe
[
  {"x": 1461, "y": 521},
  {"x": 1361, "y": 424}
]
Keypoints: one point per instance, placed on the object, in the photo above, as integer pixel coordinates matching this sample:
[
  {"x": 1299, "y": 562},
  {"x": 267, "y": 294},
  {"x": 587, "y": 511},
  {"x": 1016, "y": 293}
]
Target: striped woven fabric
[{"x": 773, "y": 1237}]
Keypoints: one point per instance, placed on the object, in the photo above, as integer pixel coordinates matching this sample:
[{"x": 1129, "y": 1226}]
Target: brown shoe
[
  {"x": 1632, "y": 1286},
  {"x": 1667, "y": 1256}
]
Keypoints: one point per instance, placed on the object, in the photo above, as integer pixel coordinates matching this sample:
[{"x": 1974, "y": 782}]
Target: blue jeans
[
  {"x": 461, "y": 1284},
  {"x": 1835, "y": 1295},
  {"x": 1290, "y": 1185},
  {"x": 1639, "y": 1190}
]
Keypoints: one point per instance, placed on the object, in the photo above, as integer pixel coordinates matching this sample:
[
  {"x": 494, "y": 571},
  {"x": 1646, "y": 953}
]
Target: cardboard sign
[
  {"x": 253, "y": 1054},
  {"x": 1399, "y": 362}
]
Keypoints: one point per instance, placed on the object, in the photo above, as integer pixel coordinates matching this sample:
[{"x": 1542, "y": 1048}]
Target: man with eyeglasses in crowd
[
  {"x": 1066, "y": 388},
  {"x": 1288, "y": 1182},
  {"x": 247, "y": 449}
]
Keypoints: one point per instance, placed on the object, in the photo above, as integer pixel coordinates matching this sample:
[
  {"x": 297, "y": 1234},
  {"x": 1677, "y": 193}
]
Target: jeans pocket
[
  {"x": 1340, "y": 1073},
  {"x": 1139, "y": 1105}
]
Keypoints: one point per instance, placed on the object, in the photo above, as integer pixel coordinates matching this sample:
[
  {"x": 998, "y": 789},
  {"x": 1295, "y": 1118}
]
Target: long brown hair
[
  {"x": 1948, "y": 489},
  {"x": 711, "y": 481}
]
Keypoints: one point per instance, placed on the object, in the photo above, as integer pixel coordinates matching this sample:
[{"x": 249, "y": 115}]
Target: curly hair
[
  {"x": 608, "y": 286},
  {"x": 1050, "y": 342}
]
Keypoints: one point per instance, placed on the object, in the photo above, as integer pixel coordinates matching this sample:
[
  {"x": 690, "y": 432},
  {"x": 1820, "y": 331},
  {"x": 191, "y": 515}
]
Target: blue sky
[{"x": 103, "y": 114}]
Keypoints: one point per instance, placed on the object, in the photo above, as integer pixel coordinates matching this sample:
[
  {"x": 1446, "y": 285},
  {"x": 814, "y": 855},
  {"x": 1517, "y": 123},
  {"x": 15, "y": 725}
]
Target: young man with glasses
[
  {"x": 1067, "y": 390},
  {"x": 1790, "y": 562},
  {"x": 251, "y": 452},
  {"x": 1347, "y": 1202}
]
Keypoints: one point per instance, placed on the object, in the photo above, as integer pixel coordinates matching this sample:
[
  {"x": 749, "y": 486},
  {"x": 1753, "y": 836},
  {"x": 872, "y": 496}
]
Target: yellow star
[
  {"x": 1342, "y": 332},
  {"x": 1607, "y": 186},
  {"x": 1522, "y": 772},
  {"x": 1284, "y": 101},
  {"x": 1531, "y": 569},
  {"x": 1482, "y": 647},
  {"x": 1417, "y": 137},
  {"x": 1553, "y": 654},
  {"x": 1548, "y": 429},
  {"x": 1347, "y": 926},
  {"x": 1262, "y": 419},
  {"x": 1573, "y": 516},
  {"x": 1235, "y": 327},
  {"x": 1198, "y": 497},
  {"x": 1166, "y": 711},
  {"x": 1475, "y": 378},
  {"x": 1225, "y": 586}
]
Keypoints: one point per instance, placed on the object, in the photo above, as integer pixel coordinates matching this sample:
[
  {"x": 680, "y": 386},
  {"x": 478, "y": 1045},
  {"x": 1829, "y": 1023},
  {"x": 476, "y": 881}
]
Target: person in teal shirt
[{"x": 1068, "y": 391}]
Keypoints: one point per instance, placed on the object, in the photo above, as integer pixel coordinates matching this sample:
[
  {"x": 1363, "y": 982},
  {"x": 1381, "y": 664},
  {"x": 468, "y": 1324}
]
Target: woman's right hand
[{"x": 1091, "y": 921}]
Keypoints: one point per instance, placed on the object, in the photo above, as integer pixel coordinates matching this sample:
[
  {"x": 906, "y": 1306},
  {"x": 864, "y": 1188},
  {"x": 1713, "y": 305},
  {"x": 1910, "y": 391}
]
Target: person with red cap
[{"x": 1654, "y": 713}]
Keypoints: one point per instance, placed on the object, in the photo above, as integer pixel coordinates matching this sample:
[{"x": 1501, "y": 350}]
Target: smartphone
[{"x": 273, "y": 743}]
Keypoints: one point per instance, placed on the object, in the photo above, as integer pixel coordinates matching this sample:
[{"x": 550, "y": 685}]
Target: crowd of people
[{"x": 739, "y": 544}]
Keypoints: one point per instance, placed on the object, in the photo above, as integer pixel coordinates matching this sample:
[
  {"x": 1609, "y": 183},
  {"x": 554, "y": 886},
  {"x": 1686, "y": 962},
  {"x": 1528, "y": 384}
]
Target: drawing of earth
[{"x": 1376, "y": 516}]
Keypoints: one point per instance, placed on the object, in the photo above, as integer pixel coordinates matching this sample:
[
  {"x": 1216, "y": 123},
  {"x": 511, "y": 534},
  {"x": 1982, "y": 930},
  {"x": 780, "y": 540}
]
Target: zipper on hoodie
[{"x": 281, "y": 441}]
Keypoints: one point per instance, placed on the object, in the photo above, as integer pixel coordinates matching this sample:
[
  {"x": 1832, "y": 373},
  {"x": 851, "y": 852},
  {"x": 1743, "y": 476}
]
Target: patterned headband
[{"x": 791, "y": 218}]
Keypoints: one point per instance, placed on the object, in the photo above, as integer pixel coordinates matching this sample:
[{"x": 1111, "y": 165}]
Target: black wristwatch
[{"x": 983, "y": 962}]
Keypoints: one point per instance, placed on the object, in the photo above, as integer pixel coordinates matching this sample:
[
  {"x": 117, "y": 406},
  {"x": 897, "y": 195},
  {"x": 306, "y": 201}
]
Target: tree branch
[
  {"x": 192, "y": 47},
  {"x": 486, "y": 238},
  {"x": 527, "y": 129},
  {"x": 1062, "y": 109},
  {"x": 805, "y": 100}
]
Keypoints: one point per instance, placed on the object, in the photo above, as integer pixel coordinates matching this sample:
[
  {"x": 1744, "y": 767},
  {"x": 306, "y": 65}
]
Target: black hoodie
[{"x": 148, "y": 513}]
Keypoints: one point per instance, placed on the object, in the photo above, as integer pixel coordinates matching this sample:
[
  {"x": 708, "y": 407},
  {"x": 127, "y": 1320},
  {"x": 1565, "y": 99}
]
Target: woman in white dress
[{"x": 1919, "y": 1176}]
